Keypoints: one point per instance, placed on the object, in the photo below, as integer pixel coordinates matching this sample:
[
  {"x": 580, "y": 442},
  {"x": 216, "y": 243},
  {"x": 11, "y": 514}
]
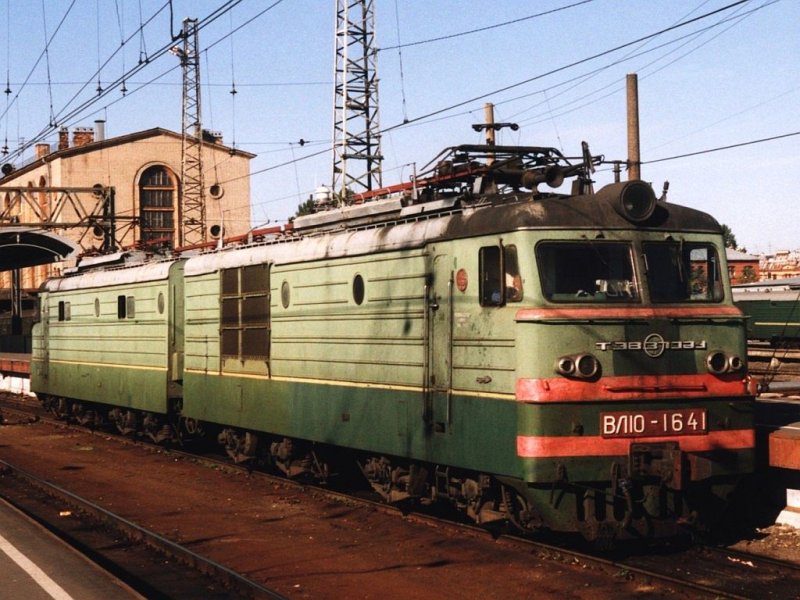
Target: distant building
[
  {"x": 144, "y": 169},
  {"x": 742, "y": 268},
  {"x": 781, "y": 265}
]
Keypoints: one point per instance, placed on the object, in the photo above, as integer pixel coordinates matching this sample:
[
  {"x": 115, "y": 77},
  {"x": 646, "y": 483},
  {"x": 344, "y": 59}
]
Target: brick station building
[
  {"x": 144, "y": 169},
  {"x": 742, "y": 267}
]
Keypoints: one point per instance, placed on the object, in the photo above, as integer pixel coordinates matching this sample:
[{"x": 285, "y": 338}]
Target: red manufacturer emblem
[{"x": 461, "y": 280}]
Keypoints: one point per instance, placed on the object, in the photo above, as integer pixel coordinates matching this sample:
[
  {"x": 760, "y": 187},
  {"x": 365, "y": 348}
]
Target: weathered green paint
[
  {"x": 95, "y": 356},
  {"x": 482, "y": 435},
  {"x": 773, "y": 319},
  {"x": 541, "y": 344},
  {"x": 142, "y": 389}
]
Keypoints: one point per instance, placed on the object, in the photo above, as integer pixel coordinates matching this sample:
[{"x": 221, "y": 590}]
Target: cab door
[
  {"x": 40, "y": 350},
  {"x": 439, "y": 354}
]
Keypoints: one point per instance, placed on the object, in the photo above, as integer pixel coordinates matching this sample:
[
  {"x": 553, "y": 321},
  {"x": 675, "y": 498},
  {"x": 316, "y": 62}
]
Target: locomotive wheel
[
  {"x": 241, "y": 446},
  {"x": 126, "y": 421},
  {"x": 193, "y": 427},
  {"x": 298, "y": 460},
  {"x": 517, "y": 510},
  {"x": 61, "y": 409},
  {"x": 158, "y": 429},
  {"x": 56, "y": 406},
  {"x": 86, "y": 416}
]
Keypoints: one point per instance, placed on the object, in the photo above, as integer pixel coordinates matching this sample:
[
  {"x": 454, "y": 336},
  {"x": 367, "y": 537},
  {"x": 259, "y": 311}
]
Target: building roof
[
  {"x": 732, "y": 254},
  {"x": 26, "y": 247},
  {"x": 109, "y": 143}
]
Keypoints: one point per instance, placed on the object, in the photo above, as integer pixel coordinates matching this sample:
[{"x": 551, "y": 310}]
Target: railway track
[
  {"x": 88, "y": 526},
  {"x": 779, "y": 363},
  {"x": 760, "y": 350},
  {"x": 724, "y": 572},
  {"x": 703, "y": 570}
]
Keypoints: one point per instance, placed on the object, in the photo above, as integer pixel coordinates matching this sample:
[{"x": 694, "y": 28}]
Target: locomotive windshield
[
  {"x": 591, "y": 271},
  {"x": 682, "y": 272}
]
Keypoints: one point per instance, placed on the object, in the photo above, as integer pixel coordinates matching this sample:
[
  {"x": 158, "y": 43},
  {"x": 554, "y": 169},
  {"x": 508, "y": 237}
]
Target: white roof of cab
[
  {"x": 320, "y": 247},
  {"x": 154, "y": 271}
]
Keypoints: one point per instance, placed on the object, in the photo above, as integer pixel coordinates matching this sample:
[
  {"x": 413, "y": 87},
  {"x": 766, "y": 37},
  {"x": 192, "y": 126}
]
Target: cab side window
[
  {"x": 513, "y": 281},
  {"x": 126, "y": 307},
  {"x": 490, "y": 265},
  {"x": 500, "y": 281},
  {"x": 64, "y": 312}
]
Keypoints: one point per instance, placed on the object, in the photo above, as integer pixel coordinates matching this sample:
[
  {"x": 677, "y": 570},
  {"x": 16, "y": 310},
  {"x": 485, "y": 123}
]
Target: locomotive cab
[{"x": 634, "y": 398}]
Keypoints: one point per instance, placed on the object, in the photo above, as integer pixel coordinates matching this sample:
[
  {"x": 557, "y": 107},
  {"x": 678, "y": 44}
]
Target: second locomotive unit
[
  {"x": 572, "y": 362},
  {"x": 773, "y": 308}
]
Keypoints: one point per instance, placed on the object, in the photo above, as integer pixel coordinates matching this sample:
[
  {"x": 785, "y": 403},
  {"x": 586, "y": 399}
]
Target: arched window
[{"x": 157, "y": 193}]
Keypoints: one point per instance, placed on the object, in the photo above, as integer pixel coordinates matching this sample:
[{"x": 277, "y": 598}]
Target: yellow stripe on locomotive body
[
  {"x": 103, "y": 365},
  {"x": 773, "y": 310},
  {"x": 330, "y": 382},
  {"x": 562, "y": 345}
]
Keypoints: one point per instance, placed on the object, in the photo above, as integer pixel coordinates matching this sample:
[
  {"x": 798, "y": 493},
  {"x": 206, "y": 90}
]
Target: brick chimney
[
  {"x": 82, "y": 136},
  {"x": 63, "y": 138},
  {"x": 42, "y": 150}
]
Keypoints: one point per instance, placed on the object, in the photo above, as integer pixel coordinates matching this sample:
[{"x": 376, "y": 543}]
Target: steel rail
[
  {"x": 229, "y": 578},
  {"x": 741, "y": 555},
  {"x": 548, "y": 549}
]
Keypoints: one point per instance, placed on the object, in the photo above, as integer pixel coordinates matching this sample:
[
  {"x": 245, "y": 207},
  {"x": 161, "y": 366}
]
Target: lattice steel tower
[
  {"x": 193, "y": 207},
  {"x": 356, "y": 134}
]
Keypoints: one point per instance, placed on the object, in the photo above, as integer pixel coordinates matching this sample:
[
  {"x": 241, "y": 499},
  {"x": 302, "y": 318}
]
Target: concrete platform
[
  {"x": 15, "y": 364},
  {"x": 15, "y": 370},
  {"x": 791, "y": 514},
  {"x": 36, "y": 565},
  {"x": 784, "y": 447}
]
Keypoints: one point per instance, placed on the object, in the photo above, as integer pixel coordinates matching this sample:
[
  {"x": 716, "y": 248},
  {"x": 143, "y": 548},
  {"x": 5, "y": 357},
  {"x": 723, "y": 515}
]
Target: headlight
[
  {"x": 637, "y": 201},
  {"x": 565, "y": 366},
  {"x": 633, "y": 200},
  {"x": 735, "y": 364},
  {"x": 582, "y": 366},
  {"x": 586, "y": 366},
  {"x": 719, "y": 362}
]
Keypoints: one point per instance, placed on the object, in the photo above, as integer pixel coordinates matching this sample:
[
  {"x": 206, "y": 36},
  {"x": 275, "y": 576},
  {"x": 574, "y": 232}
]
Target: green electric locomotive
[
  {"x": 773, "y": 310},
  {"x": 572, "y": 362}
]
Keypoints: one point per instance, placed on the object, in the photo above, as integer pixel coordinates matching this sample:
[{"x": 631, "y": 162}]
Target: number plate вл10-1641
[{"x": 687, "y": 421}]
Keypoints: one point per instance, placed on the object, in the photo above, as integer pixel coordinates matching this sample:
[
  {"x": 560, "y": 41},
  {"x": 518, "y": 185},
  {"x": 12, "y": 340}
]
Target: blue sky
[{"x": 725, "y": 80}]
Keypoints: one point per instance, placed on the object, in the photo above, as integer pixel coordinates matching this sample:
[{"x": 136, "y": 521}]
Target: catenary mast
[
  {"x": 356, "y": 134},
  {"x": 193, "y": 209}
]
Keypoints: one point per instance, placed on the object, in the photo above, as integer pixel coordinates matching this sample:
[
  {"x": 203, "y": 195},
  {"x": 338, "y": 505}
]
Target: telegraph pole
[{"x": 634, "y": 158}]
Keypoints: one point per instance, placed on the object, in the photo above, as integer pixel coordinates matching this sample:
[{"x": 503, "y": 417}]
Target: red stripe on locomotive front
[
  {"x": 630, "y": 387},
  {"x": 617, "y": 312},
  {"x": 560, "y": 446}
]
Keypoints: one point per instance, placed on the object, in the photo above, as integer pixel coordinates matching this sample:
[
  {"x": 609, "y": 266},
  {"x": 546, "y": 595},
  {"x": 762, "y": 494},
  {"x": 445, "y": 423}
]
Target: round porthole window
[
  {"x": 160, "y": 303},
  {"x": 216, "y": 191},
  {"x": 358, "y": 289},
  {"x": 97, "y": 307},
  {"x": 285, "y": 294}
]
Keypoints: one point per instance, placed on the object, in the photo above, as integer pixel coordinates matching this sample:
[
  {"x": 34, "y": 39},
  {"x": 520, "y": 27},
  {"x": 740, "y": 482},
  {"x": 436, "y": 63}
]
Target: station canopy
[{"x": 27, "y": 247}]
